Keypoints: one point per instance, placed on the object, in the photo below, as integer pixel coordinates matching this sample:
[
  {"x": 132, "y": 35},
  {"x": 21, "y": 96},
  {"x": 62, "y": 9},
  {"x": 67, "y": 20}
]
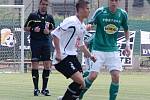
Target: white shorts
[{"x": 109, "y": 59}]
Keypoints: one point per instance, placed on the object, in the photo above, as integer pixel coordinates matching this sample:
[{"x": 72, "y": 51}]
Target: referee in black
[{"x": 40, "y": 24}]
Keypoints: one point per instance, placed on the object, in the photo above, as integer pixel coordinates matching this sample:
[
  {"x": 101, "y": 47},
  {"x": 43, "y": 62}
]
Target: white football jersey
[{"x": 71, "y": 34}]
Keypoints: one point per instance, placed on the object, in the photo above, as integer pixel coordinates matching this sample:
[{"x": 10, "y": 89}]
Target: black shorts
[
  {"x": 68, "y": 66},
  {"x": 41, "y": 50}
]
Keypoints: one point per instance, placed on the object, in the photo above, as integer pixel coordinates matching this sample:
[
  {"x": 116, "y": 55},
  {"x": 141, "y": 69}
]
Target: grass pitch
[{"x": 133, "y": 86}]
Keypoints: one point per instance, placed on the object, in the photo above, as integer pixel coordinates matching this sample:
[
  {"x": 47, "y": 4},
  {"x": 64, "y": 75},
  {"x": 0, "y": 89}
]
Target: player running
[
  {"x": 108, "y": 21},
  {"x": 69, "y": 36}
]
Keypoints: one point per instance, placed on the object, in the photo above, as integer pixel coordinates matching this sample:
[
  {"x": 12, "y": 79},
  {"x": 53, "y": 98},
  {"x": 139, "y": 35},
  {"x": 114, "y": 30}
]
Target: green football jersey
[{"x": 107, "y": 27}]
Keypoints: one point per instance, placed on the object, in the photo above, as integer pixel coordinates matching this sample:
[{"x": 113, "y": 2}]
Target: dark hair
[
  {"x": 43, "y": 0},
  {"x": 81, "y": 4}
]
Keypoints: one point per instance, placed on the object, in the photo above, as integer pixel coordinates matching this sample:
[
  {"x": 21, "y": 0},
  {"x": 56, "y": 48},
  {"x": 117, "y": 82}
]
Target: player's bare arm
[
  {"x": 57, "y": 47},
  {"x": 127, "y": 50},
  {"x": 87, "y": 53},
  {"x": 46, "y": 30}
]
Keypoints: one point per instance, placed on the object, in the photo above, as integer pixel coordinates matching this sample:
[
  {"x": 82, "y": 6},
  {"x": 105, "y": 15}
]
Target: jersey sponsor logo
[
  {"x": 107, "y": 20},
  {"x": 110, "y": 29}
]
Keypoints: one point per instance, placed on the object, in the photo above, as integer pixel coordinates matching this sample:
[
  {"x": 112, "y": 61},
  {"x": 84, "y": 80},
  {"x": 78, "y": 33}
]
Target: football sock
[
  {"x": 35, "y": 78},
  {"x": 113, "y": 91},
  {"x": 86, "y": 73},
  {"x": 88, "y": 85},
  {"x": 72, "y": 92},
  {"x": 45, "y": 77}
]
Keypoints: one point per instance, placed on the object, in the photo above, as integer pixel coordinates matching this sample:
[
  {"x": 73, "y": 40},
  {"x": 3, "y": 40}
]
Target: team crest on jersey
[{"x": 110, "y": 29}]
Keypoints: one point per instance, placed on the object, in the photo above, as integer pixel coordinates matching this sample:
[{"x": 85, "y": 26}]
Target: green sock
[
  {"x": 86, "y": 73},
  {"x": 113, "y": 91},
  {"x": 88, "y": 85}
]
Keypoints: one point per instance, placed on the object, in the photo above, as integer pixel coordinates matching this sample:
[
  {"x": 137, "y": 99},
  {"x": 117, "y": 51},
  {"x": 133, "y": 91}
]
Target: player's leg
[
  {"x": 71, "y": 68},
  {"x": 94, "y": 70},
  {"x": 113, "y": 62},
  {"x": 74, "y": 89},
  {"x": 47, "y": 64},
  {"x": 35, "y": 77},
  {"x": 45, "y": 78},
  {"x": 114, "y": 86},
  {"x": 35, "y": 64},
  {"x": 87, "y": 62},
  {"x": 88, "y": 82}
]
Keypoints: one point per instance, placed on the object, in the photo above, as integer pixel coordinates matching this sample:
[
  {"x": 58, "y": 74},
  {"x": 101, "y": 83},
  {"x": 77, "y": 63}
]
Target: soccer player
[
  {"x": 68, "y": 36},
  {"x": 108, "y": 21},
  {"x": 40, "y": 24}
]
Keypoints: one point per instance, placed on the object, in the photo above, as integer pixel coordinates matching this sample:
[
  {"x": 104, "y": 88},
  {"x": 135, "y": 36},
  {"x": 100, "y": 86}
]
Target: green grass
[{"x": 135, "y": 86}]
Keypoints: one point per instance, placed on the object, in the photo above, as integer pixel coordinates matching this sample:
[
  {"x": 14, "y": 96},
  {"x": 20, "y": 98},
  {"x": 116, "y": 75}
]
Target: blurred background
[{"x": 138, "y": 11}]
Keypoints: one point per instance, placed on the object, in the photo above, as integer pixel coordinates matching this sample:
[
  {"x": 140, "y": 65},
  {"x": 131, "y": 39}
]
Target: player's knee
[
  {"x": 115, "y": 77},
  {"x": 77, "y": 77},
  {"x": 46, "y": 67},
  {"x": 92, "y": 76},
  {"x": 81, "y": 81},
  {"x": 35, "y": 65}
]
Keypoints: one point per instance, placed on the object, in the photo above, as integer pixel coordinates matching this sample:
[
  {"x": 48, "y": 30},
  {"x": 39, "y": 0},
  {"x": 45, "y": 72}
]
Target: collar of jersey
[
  {"x": 41, "y": 14},
  {"x": 78, "y": 20}
]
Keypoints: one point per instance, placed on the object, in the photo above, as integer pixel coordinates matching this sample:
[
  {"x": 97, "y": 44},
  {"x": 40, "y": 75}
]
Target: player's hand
[
  {"x": 127, "y": 51},
  {"x": 93, "y": 58},
  {"x": 46, "y": 31},
  {"x": 37, "y": 29},
  {"x": 88, "y": 27},
  {"x": 51, "y": 26}
]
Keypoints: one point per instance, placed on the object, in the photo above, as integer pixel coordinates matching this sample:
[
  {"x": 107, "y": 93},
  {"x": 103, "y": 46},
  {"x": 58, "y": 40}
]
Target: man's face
[
  {"x": 43, "y": 6},
  {"x": 85, "y": 11},
  {"x": 113, "y": 4}
]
